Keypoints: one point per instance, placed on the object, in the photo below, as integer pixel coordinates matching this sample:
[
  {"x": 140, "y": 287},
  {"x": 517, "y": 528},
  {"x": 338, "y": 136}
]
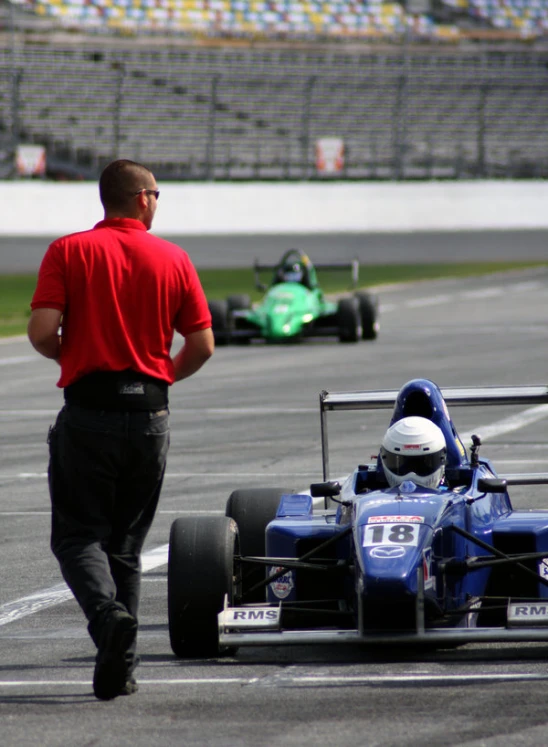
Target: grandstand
[
  {"x": 193, "y": 108},
  {"x": 329, "y": 19}
]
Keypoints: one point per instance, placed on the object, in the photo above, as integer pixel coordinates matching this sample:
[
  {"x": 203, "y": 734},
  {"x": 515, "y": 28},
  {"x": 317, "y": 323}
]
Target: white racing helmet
[{"x": 414, "y": 449}]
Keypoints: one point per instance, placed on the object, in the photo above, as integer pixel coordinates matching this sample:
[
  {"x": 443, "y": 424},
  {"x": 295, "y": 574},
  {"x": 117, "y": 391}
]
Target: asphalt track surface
[
  {"x": 250, "y": 417},
  {"x": 23, "y": 254}
]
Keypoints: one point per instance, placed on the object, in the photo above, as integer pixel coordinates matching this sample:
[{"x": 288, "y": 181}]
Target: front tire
[
  {"x": 348, "y": 319},
  {"x": 200, "y": 574},
  {"x": 252, "y": 510},
  {"x": 368, "y": 312}
]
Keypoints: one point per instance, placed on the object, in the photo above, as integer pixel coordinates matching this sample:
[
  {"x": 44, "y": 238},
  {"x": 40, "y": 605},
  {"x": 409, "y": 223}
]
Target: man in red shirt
[{"x": 106, "y": 306}]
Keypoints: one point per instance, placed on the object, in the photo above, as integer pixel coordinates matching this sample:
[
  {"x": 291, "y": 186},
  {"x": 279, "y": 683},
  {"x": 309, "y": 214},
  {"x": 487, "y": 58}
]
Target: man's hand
[
  {"x": 197, "y": 349},
  {"x": 43, "y": 332}
]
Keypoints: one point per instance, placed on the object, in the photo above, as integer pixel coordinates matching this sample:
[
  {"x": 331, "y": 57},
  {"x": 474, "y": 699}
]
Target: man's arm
[
  {"x": 43, "y": 332},
  {"x": 197, "y": 349}
]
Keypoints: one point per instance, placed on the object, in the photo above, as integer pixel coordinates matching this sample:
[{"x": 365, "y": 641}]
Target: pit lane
[{"x": 250, "y": 418}]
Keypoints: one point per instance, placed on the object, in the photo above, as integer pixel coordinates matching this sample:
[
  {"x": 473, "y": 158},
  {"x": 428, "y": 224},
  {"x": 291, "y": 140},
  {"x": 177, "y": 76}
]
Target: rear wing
[
  {"x": 456, "y": 396},
  {"x": 353, "y": 266}
]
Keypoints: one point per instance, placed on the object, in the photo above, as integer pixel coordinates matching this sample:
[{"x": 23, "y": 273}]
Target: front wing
[{"x": 260, "y": 625}]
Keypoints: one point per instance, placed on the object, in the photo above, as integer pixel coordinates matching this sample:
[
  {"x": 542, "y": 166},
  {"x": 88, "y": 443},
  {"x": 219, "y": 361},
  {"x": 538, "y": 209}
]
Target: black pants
[{"x": 105, "y": 475}]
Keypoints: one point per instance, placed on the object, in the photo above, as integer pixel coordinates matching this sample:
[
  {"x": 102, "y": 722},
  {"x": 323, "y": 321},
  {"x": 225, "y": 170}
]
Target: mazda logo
[{"x": 388, "y": 551}]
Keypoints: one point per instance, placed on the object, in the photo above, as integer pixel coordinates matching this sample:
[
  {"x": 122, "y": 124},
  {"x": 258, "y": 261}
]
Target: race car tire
[
  {"x": 238, "y": 302},
  {"x": 348, "y": 319},
  {"x": 368, "y": 313},
  {"x": 220, "y": 321},
  {"x": 200, "y": 573},
  {"x": 252, "y": 509}
]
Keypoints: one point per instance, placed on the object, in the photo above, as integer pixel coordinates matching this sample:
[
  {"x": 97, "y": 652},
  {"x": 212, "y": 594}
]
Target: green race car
[{"x": 294, "y": 307}]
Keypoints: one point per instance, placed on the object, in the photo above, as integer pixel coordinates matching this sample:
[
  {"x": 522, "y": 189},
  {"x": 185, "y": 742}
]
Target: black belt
[{"x": 118, "y": 390}]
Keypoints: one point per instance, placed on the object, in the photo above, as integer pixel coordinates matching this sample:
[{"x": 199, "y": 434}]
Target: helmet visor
[{"x": 420, "y": 464}]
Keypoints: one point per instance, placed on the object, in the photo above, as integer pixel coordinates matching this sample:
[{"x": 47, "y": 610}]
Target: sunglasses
[{"x": 155, "y": 192}]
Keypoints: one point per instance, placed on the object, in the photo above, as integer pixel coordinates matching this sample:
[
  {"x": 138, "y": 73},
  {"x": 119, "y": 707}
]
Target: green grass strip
[{"x": 16, "y": 290}]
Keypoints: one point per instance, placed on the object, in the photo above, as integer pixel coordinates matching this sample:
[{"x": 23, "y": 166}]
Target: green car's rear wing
[
  {"x": 456, "y": 396},
  {"x": 353, "y": 266}
]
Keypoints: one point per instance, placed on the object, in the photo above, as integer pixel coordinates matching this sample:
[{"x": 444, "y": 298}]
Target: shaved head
[{"x": 120, "y": 181}]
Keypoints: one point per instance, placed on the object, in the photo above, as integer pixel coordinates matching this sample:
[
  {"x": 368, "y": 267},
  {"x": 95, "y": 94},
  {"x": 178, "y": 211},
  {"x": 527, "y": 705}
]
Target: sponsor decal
[
  {"x": 394, "y": 519},
  {"x": 254, "y": 614},
  {"x": 388, "y": 552},
  {"x": 391, "y": 534},
  {"x": 408, "y": 486},
  {"x": 427, "y": 569},
  {"x": 528, "y": 613},
  {"x": 282, "y": 586},
  {"x": 412, "y": 447},
  {"x": 247, "y": 617},
  {"x": 543, "y": 567}
]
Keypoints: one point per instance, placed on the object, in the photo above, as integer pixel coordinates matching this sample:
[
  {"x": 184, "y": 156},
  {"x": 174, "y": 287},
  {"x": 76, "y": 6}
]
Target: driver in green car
[{"x": 297, "y": 269}]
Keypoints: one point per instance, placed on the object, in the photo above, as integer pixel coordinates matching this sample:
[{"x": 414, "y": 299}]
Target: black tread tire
[
  {"x": 348, "y": 320},
  {"x": 200, "y": 574},
  {"x": 220, "y": 321},
  {"x": 252, "y": 509},
  {"x": 368, "y": 306},
  {"x": 238, "y": 301}
]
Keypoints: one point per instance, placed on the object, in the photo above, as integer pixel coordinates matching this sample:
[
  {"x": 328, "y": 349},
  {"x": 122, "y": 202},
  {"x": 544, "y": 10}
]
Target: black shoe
[
  {"x": 111, "y": 674},
  {"x": 130, "y": 687}
]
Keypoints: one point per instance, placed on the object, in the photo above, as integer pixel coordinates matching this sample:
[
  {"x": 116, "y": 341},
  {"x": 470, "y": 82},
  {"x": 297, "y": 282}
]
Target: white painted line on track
[
  {"x": 27, "y": 413},
  {"x": 29, "y": 605},
  {"x": 525, "y": 286},
  {"x": 427, "y": 301},
  {"x": 179, "y": 475},
  {"x": 482, "y": 293},
  {"x": 513, "y": 423},
  {"x": 247, "y": 411},
  {"x": 16, "y": 359},
  {"x": 308, "y": 681},
  {"x": 14, "y": 338},
  {"x": 182, "y": 512}
]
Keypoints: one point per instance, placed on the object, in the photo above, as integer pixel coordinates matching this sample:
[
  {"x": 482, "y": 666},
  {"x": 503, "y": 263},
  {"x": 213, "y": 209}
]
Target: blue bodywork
[{"x": 388, "y": 552}]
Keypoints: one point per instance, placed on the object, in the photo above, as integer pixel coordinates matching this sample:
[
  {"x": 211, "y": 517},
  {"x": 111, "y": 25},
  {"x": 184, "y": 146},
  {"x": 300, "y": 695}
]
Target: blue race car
[
  {"x": 294, "y": 307},
  {"x": 421, "y": 546}
]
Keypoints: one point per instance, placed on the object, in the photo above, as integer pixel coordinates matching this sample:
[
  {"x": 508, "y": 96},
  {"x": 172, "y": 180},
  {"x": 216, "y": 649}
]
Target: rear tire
[
  {"x": 368, "y": 313},
  {"x": 238, "y": 302},
  {"x": 348, "y": 319},
  {"x": 220, "y": 322},
  {"x": 200, "y": 574},
  {"x": 252, "y": 510}
]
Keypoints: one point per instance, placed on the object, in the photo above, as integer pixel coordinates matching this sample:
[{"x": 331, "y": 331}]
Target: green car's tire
[
  {"x": 252, "y": 509},
  {"x": 200, "y": 573},
  {"x": 238, "y": 302},
  {"x": 368, "y": 306},
  {"x": 348, "y": 319},
  {"x": 220, "y": 322}
]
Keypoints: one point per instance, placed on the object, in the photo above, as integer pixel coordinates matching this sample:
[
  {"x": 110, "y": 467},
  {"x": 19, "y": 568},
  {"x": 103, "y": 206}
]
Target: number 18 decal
[{"x": 397, "y": 534}]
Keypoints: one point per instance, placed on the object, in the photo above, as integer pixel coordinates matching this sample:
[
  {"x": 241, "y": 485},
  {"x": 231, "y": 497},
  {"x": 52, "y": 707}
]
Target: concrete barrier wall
[{"x": 51, "y": 209}]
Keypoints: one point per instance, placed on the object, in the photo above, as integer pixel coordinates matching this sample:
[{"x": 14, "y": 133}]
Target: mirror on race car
[
  {"x": 491, "y": 485},
  {"x": 325, "y": 489}
]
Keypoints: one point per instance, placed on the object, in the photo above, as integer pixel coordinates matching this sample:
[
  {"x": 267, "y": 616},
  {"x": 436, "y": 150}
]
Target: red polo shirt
[{"x": 122, "y": 292}]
